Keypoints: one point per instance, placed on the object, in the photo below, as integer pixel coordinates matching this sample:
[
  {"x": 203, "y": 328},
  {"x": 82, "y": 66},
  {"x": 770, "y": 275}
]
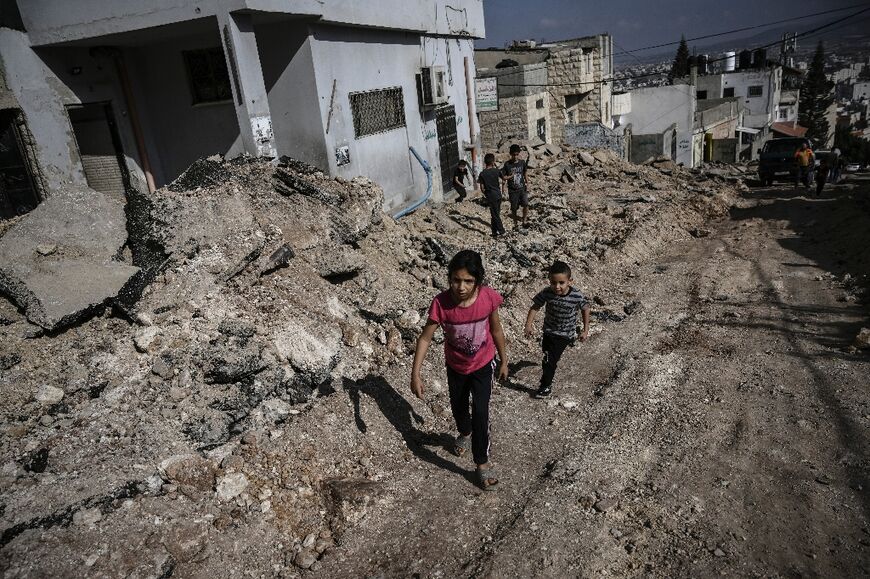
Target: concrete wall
[
  {"x": 44, "y": 85},
  {"x": 516, "y": 119},
  {"x": 520, "y": 80},
  {"x": 594, "y": 136},
  {"x": 719, "y": 117},
  {"x": 725, "y": 150},
  {"x": 621, "y": 104},
  {"x": 362, "y": 60},
  {"x": 288, "y": 71},
  {"x": 57, "y": 21},
  {"x": 179, "y": 132},
  {"x": 574, "y": 72},
  {"x": 655, "y": 109},
  {"x": 652, "y": 145}
]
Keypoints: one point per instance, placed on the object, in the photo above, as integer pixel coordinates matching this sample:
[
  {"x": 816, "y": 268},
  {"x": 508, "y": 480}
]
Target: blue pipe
[{"x": 428, "y": 194}]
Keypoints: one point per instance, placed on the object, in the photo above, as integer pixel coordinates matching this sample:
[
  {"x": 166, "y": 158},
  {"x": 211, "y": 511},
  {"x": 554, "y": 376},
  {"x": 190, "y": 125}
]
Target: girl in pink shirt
[{"x": 468, "y": 314}]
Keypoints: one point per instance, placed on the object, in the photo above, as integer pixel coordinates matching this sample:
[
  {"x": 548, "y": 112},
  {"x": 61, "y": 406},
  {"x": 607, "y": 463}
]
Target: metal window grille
[
  {"x": 377, "y": 111},
  {"x": 756, "y": 90},
  {"x": 208, "y": 75}
]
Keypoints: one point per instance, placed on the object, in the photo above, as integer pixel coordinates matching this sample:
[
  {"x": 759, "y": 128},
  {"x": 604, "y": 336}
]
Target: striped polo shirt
[{"x": 560, "y": 314}]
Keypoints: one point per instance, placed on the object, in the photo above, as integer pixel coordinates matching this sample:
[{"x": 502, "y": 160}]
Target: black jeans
[
  {"x": 460, "y": 191},
  {"x": 553, "y": 347},
  {"x": 478, "y": 386},
  {"x": 495, "y": 217}
]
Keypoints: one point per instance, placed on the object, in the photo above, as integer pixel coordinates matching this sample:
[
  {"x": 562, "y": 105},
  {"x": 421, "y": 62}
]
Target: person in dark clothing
[
  {"x": 459, "y": 176},
  {"x": 490, "y": 185},
  {"x": 822, "y": 174},
  {"x": 514, "y": 174},
  {"x": 562, "y": 303}
]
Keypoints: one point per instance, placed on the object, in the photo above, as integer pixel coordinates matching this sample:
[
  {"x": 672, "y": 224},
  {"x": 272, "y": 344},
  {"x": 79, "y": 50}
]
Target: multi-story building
[
  {"x": 127, "y": 94},
  {"x": 758, "y": 85},
  {"x": 576, "y": 80}
]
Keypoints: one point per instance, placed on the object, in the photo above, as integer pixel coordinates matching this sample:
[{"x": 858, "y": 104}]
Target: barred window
[
  {"x": 207, "y": 72},
  {"x": 377, "y": 111}
]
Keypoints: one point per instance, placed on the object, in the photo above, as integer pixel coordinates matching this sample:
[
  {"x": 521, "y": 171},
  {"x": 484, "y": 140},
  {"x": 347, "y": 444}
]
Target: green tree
[
  {"x": 817, "y": 94},
  {"x": 680, "y": 66}
]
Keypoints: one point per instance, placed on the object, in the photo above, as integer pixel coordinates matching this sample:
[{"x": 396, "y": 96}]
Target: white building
[
  {"x": 662, "y": 122},
  {"x": 861, "y": 91},
  {"x": 133, "y": 92}
]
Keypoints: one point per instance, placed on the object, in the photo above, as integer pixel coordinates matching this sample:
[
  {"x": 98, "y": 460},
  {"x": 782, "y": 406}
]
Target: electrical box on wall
[{"x": 432, "y": 85}]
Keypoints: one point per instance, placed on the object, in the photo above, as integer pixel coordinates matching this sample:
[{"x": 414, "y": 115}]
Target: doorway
[
  {"x": 99, "y": 143},
  {"x": 448, "y": 143},
  {"x": 18, "y": 192}
]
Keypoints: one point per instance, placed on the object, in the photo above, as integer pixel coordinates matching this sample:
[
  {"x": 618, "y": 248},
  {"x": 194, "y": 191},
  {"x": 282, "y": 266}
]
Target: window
[
  {"x": 539, "y": 104},
  {"x": 783, "y": 113},
  {"x": 377, "y": 111},
  {"x": 570, "y": 116},
  {"x": 701, "y": 95},
  {"x": 542, "y": 129},
  {"x": 207, "y": 72},
  {"x": 755, "y": 90},
  {"x": 728, "y": 92}
]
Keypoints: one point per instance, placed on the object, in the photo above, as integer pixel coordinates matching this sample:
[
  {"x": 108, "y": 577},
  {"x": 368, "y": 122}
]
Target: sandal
[
  {"x": 484, "y": 478},
  {"x": 462, "y": 445}
]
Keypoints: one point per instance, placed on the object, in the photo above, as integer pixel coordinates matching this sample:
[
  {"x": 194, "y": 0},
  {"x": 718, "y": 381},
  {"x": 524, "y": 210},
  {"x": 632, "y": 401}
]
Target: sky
[{"x": 639, "y": 23}]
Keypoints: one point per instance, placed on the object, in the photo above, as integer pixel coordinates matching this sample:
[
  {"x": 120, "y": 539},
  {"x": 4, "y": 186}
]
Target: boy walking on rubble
[
  {"x": 514, "y": 174},
  {"x": 562, "y": 301},
  {"x": 490, "y": 185}
]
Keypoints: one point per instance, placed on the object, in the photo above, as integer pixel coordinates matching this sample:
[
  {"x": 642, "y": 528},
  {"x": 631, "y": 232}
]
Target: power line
[
  {"x": 592, "y": 83},
  {"x": 746, "y": 28}
]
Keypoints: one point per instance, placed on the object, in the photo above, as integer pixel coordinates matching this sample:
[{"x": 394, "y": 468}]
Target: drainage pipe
[{"x": 428, "y": 194}]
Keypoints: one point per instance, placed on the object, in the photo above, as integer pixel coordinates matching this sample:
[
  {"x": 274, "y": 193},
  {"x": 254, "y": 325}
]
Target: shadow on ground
[{"x": 402, "y": 416}]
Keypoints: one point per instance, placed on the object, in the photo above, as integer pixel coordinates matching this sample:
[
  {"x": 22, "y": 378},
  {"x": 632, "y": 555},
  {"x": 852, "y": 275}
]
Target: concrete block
[{"x": 87, "y": 229}]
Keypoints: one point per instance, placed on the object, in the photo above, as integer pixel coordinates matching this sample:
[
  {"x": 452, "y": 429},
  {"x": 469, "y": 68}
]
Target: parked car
[
  {"x": 777, "y": 162},
  {"x": 853, "y": 167}
]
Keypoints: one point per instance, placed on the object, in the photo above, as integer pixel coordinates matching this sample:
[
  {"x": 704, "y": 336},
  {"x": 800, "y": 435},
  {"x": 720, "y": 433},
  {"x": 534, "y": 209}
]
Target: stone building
[
  {"x": 118, "y": 95},
  {"x": 575, "y": 79},
  {"x": 524, "y": 107}
]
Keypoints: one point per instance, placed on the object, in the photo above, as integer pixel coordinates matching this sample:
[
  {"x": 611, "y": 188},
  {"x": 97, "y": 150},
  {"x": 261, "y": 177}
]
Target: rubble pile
[{"x": 202, "y": 398}]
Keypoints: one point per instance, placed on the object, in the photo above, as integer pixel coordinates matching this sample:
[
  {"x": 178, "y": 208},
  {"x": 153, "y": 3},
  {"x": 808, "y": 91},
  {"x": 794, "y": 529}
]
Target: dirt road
[{"x": 721, "y": 429}]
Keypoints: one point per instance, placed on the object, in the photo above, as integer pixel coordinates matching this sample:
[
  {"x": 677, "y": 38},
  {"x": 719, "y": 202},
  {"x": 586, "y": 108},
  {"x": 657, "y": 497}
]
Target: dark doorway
[
  {"x": 18, "y": 193},
  {"x": 448, "y": 144},
  {"x": 100, "y": 148}
]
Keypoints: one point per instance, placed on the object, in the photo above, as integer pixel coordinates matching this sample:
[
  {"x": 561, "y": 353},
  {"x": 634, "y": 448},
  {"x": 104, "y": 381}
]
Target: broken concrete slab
[
  {"x": 586, "y": 158},
  {"x": 55, "y": 289}
]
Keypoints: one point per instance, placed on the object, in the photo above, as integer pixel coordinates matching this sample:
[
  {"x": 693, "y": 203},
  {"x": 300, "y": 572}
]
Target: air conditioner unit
[{"x": 433, "y": 85}]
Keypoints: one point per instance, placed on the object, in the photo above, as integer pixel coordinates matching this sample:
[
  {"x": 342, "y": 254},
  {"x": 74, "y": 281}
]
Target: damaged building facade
[
  {"x": 542, "y": 88},
  {"x": 121, "y": 94}
]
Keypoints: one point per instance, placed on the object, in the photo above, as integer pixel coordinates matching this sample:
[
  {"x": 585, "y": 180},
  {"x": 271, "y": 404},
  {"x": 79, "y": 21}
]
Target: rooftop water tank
[{"x": 730, "y": 61}]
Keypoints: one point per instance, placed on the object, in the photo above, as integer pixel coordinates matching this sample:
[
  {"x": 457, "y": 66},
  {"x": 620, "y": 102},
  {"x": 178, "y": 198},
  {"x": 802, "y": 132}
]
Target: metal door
[
  {"x": 448, "y": 144},
  {"x": 100, "y": 149}
]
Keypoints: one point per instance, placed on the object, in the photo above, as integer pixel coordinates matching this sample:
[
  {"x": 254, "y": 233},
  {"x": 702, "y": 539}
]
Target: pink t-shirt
[{"x": 468, "y": 344}]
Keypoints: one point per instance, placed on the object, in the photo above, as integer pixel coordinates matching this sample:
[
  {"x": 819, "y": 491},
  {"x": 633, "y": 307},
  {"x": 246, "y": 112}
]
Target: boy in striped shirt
[{"x": 562, "y": 302}]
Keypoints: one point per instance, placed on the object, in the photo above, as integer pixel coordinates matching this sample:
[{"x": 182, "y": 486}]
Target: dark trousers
[
  {"x": 803, "y": 176},
  {"x": 553, "y": 347},
  {"x": 495, "y": 217},
  {"x": 460, "y": 191},
  {"x": 477, "y": 386},
  {"x": 821, "y": 179}
]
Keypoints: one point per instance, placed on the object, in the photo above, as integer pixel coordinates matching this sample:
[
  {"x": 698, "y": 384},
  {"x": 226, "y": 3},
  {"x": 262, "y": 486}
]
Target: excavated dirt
[{"x": 246, "y": 411}]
